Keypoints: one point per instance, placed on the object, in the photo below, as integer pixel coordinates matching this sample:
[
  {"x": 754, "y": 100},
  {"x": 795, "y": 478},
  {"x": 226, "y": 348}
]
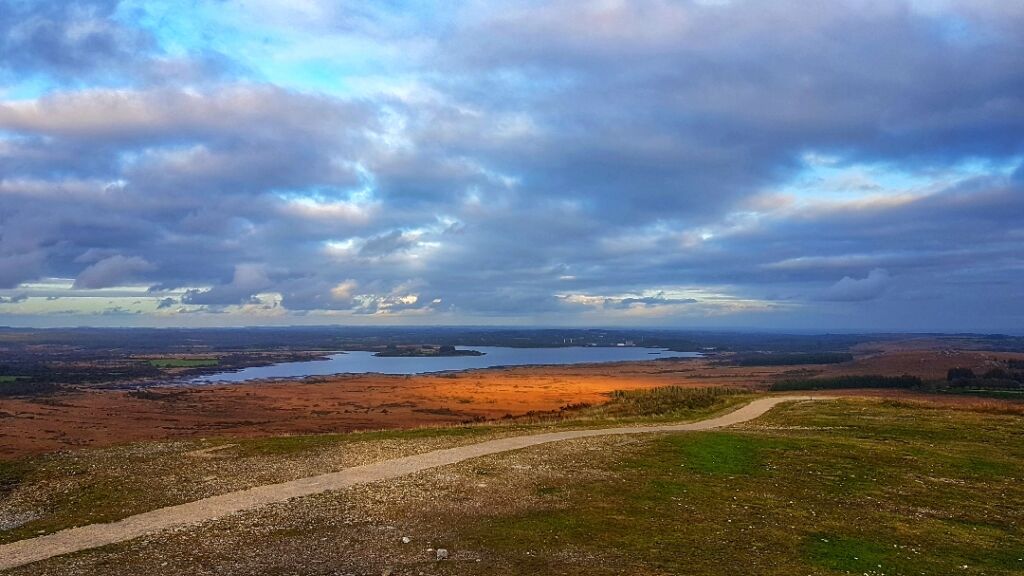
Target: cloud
[
  {"x": 17, "y": 268},
  {"x": 72, "y": 39},
  {"x": 859, "y": 289},
  {"x": 344, "y": 291},
  {"x": 111, "y": 271},
  {"x": 14, "y": 299},
  {"x": 486, "y": 159},
  {"x": 385, "y": 244},
  {"x": 75, "y": 41},
  {"x": 248, "y": 280},
  {"x": 647, "y": 301},
  {"x": 659, "y": 299}
]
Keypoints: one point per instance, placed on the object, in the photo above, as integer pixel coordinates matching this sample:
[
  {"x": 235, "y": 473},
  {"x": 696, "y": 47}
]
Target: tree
[
  {"x": 959, "y": 374},
  {"x": 997, "y": 374}
]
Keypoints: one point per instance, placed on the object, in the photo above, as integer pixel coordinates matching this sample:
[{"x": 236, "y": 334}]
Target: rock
[
  {"x": 406, "y": 539},
  {"x": 442, "y": 554}
]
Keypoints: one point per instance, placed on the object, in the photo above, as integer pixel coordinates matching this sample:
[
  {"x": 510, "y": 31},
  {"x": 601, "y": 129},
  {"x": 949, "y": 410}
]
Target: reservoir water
[{"x": 359, "y": 362}]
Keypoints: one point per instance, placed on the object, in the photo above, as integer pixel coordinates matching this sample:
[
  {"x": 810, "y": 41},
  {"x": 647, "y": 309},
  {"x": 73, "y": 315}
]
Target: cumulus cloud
[
  {"x": 74, "y": 41},
  {"x": 647, "y": 301},
  {"x": 248, "y": 280},
  {"x": 17, "y": 268},
  {"x": 111, "y": 271},
  {"x": 659, "y": 299},
  {"x": 74, "y": 38},
  {"x": 384, "y": 244},
  {"x": 344, "y": 291},
  {"x": 859, "y": 289},
  {"x": 14, "y": 299}
]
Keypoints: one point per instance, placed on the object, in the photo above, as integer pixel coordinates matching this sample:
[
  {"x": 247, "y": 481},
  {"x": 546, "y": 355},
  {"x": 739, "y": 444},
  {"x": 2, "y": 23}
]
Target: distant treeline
[
  {"x": 41, "y": 372},
  {"x": 1006, "y": 381},
  {"x": 26, "y": 388},
  {"x": 996, "y": 378},
  {"x": 104, "y": 341},
  {"x": 843, "y": 382},
  {"x": 791, "y": 359}
]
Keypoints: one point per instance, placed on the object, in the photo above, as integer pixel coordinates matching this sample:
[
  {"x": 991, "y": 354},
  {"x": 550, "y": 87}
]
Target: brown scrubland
[{"x": 95, "y": 418}]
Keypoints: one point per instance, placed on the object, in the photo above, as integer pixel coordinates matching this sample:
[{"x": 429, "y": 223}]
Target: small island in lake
[{"x": 423, "y": 351}]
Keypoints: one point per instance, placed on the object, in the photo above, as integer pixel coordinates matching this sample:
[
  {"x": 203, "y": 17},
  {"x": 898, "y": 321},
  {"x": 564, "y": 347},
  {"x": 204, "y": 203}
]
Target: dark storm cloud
[{"x": 551, "y": 159}]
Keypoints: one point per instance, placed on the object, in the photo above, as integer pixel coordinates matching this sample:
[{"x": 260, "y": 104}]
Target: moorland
[{"x": 913, "y": 464}]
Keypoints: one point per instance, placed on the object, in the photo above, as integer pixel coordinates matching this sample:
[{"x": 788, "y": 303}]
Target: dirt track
[{"x": 95, "y": 535}]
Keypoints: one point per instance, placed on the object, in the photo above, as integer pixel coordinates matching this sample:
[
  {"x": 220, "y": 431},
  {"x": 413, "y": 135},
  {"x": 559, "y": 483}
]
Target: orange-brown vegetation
[{"x": 83, "y": 418}]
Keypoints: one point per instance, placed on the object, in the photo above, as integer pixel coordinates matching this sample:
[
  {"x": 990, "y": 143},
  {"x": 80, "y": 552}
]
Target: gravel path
[{"x": 94, "y": 535}]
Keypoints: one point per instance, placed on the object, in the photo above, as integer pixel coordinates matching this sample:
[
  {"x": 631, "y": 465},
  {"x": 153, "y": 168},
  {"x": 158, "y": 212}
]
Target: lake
[{"x": 359, "y": 362}]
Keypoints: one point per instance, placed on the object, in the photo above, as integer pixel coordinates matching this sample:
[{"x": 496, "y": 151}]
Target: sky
[{"x": 842, "y": 165}]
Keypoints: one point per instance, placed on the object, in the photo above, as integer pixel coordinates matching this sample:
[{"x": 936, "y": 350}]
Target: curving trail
[{"x": 94, "y": 535}]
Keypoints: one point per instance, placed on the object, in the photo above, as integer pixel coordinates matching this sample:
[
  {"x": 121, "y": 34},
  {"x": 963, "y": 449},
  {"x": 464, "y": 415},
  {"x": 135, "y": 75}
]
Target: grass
[
  {"x": 650, "y": 405},
  {"x": 668, "y": 402},
  {"x": 11, "y": 475},
  {"x": 849, "y": 555},
  {"x": 875, "y": 487},
  {"x": 719, "y": 453},
  {"x": 306, "y": 444},
  {"x": 6, "y": 379},
  {"x": 824, "y": 488},
  {"x": 183, "y": 362},
  {"x": 108, "y": 484}
]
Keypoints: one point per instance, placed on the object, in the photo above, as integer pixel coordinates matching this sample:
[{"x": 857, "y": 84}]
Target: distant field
[
  {"x": 4, "y": 379},
  {"x": 184, "y": 362}
]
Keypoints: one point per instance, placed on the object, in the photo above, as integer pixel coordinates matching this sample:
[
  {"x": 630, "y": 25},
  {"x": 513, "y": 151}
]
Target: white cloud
[
  {"x": 859, "y": 289},
  {"x": 112, "y": 271}
]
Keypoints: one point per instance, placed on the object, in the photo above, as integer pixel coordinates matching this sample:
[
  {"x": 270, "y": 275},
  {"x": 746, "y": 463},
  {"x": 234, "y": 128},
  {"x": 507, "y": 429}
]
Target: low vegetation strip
[
  {"x": 791, "y": 359},
  {"x": 662, "y": 404},
  {"x": 12, "y": 386},
  {"x": 183, "y": 362},
  {"x": 95, "y": 535},
  {"x": 848, "y": 382}
]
